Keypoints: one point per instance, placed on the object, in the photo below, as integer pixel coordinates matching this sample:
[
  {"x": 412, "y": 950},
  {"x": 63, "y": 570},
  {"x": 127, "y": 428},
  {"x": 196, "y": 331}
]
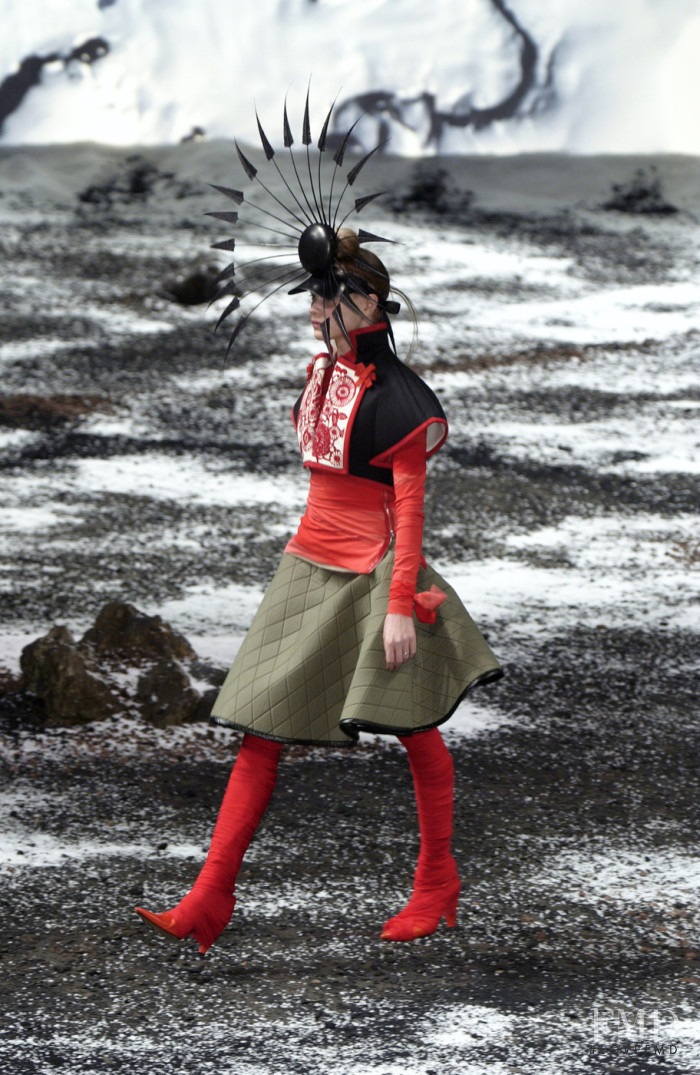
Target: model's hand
[{"x": 399, "y": 640}]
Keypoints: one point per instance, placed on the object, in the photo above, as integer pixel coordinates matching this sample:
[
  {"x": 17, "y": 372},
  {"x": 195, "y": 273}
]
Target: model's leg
[
  {"x": 207, "y": 908},
  {"x": 435, "y": 884}
]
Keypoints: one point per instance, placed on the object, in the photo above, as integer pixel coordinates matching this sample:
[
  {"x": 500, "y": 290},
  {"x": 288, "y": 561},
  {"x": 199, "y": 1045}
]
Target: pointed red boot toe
[{"x": 164, "y": 923}]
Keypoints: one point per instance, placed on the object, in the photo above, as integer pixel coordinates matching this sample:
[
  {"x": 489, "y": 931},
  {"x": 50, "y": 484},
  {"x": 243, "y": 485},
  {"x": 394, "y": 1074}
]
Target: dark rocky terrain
[{"x": 576, "y": 948}]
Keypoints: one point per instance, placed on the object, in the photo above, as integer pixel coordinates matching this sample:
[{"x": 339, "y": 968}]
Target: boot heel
[
  {"x": 423, "y": 913},
  {"x": 451, "y": 911}
]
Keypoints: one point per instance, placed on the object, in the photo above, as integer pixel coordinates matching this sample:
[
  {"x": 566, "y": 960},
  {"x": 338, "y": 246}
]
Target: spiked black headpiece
[{"x": 312, "y": 220}]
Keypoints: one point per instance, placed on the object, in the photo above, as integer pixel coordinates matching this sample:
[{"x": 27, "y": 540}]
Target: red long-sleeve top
[
  {"x": 359, "y": 415},
  {"x": 349, "y": 522}
]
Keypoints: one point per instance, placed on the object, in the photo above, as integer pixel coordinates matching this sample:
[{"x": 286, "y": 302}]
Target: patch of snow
[
  {"x": 11, "y": 645},
  {"x": 473, "y": 718},
  {"x": 19, "y": 350},
  {"x": 33, "y": 518},
  {"x": 622, "y": 874},
  {"x": 16, "y": 438},
  {"x": 618, "y": 571},
  {"x": 640, "y": 444},
  {"x": 161, "y": 477},
  {"x": 204, "y": 605}
]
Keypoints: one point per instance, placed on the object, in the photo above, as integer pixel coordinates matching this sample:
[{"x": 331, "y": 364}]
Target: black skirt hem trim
[
  {"x": 352, "y": 728},
  {"x": 351, "y": 742},
  {"x": 381, "y": 729}
]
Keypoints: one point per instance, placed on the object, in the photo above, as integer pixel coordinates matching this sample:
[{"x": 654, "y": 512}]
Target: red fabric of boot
[
  {"x": 436, "y": 883},
  {"x": 207, "y": 908}
]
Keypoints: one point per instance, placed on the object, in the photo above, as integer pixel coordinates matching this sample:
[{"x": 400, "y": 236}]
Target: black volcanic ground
[{"x": 577, "y": 808}]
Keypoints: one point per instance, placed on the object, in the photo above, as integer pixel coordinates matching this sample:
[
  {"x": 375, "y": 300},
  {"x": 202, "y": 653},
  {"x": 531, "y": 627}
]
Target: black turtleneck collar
[{"x": 367, "y": 342}]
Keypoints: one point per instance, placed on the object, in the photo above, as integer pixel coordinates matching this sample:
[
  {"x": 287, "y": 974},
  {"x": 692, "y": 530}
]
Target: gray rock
[
  {"x": 66, "y": 680},
  {"x": 165, "y": 696},
  {"x": 206, "y": 704},
  {"x": 195, "y": 284},
  {"x": 121, "y": 630},
  {"x": 78, "y": 682}
]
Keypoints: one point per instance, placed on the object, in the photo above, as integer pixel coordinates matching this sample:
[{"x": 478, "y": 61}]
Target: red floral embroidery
[
  {"x": 341, "y": 390},
  {"x": 310, "y": 406},
  {"x": 326, "y": 411},
  {"x": 322, "y": 440}
]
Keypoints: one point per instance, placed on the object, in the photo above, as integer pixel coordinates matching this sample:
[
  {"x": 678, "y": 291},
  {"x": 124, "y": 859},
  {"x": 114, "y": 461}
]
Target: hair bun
[{"x": 348, "y": 244}]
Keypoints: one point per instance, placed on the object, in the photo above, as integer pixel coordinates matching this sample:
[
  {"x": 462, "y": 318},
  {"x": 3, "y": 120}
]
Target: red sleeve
[{"x": 408, "y": 464}]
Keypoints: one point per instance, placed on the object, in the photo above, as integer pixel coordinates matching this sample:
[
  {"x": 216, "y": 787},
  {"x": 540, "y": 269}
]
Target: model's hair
[
  {"x": 370, "y": 269},
  {"x": 363, "y": 263}
]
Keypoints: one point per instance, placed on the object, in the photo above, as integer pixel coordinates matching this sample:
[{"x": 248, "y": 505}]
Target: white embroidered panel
[{"x": 324, "y": 420}]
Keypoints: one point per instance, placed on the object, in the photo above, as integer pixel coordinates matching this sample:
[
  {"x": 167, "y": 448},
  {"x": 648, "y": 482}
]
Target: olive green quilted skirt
[{"x": 311, "y": 669}]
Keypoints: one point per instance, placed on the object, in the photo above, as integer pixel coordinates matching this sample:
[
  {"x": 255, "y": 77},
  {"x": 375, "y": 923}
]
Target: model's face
[{"x": 322, "y": 310}]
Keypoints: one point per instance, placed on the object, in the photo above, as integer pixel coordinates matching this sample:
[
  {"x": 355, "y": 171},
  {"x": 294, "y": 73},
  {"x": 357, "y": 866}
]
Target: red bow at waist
[{"x": 426, "y": 603}]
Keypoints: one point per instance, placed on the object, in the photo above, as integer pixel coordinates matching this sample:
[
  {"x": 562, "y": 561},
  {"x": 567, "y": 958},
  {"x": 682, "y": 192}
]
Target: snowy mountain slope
[{"x": 455, "y": 76}]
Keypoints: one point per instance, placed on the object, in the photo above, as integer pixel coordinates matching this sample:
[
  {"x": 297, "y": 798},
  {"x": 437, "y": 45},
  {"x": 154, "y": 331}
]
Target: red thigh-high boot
[
  {"x": 207, "y": 908},
  {"x": 436, "y": 883}
]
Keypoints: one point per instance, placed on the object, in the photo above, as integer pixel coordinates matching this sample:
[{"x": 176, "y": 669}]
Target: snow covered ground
[{"x": 564, "y": 510}]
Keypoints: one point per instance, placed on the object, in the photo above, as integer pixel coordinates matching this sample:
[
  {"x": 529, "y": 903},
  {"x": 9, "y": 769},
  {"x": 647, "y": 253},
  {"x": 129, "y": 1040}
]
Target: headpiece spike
[
  {"x": 312, "y": 227},
  {"x": 235, "y": 195},
  {"x": 321, "y": 144},
  {"x": 338, "y": 317},
  {"x": 306, "y": 135},
  {"x": 353, "y": 174},
  {"x": 233, "y": 305},
  {"x": 306, "y": 139},
  {"x": 369, "y": 237},
  {"x": 360, "y": 203},
  {"x": 237, "y": 329},
  {"x": 288, "y": 137},
  {"x": 325, "y": 332},
  {"x": 267, "y": 148},
  {"x": 228, "y": 218},
  {"x": 340, "y": 151},
  {"x": 250, "y": 171},
  {"x": 227, "y": 273},
  {"x": 225, "y": 244},
  {"x": 230, "y": 288}
]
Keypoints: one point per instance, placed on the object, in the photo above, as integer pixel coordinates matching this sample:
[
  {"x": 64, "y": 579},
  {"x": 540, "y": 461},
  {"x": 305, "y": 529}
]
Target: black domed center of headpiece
[{"x": 318, "y": 249}]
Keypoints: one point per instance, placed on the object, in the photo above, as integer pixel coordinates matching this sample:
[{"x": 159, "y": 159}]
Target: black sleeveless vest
[{"x": 373, "y": 403}]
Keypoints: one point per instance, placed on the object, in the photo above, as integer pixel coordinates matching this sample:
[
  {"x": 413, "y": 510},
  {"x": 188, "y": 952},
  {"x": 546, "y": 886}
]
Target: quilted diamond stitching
[{"x": 314, "y": 656}]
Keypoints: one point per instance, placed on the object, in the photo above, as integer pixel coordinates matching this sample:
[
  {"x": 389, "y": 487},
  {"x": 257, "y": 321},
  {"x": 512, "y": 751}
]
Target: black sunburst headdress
[{"x": 312, "y": 221}]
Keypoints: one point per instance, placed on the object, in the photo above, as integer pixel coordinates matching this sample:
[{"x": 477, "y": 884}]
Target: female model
[{"x": 355, "y": 632}]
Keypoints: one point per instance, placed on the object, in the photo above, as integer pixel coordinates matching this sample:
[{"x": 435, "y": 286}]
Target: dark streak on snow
[{"x": 15, "y": 87}]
